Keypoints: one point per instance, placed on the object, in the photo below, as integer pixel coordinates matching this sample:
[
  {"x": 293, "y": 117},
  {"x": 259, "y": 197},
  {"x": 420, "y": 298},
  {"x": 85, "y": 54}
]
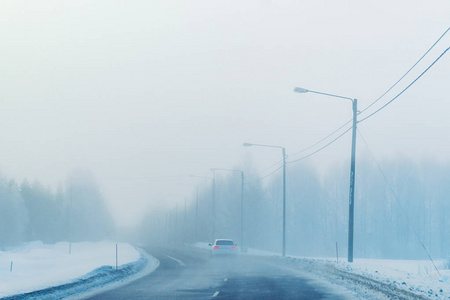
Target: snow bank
[
  {"x": 417, "y": 276},
  {"x": 37, "y": 266}
]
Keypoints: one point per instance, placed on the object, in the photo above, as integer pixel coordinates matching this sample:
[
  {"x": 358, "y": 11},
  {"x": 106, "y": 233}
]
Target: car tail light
[
  {"x": 232, "y": 247},
  {"x": 216, "y": 247}
]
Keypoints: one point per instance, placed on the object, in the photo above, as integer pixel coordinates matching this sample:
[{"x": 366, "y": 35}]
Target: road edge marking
[{"x": 177, "y": 260}]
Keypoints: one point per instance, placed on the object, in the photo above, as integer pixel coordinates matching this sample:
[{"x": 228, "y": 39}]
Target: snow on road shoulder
[
  {"x": 111, "y": 280},
  {"x": 36, "y": 266},
  {"x": 417, "y": 276}
]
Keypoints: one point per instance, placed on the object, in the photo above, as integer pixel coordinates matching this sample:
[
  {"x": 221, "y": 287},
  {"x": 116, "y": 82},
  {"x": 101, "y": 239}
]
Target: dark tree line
[{"x": 31, "y": 211}]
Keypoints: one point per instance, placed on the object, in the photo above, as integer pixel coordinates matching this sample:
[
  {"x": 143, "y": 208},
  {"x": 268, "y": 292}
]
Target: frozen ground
[
  {"x": 416, "y": 276},
  {"x": 54, "y": 272}
]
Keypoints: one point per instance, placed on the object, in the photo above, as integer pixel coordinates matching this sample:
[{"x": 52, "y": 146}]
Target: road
[{"x": 190, "y": 274}]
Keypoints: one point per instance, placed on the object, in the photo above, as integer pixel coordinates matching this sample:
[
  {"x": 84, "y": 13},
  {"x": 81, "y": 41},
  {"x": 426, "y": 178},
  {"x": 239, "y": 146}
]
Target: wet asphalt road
[{"x": 191, "y": 274}]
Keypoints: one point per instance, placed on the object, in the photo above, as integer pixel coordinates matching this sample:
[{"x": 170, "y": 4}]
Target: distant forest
[
  {"x": 402, "y": 213},
  {"x": 397, "y": 223},
  {"x": 30, "y": 212}
]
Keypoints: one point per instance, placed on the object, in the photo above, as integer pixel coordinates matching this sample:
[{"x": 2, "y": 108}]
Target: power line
[
  {"x": 341, "y": 135},
  {"x": 398, "y": 201},
  {"x": 395, "y": 84},
  {"x": 320, "y": 149},
  {"x": 264, "y": 177},
  {"x": 270, "y": 167},
  {"x": 398, "y": 95},
  {"x": 337, "y": 130},
  {"x": 420, "y": 59},
  {"x": 307, "y": 148}
]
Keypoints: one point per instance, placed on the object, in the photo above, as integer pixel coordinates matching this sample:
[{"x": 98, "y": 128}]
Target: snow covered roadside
[
  {"x": 55, "y": 273},
  {"x": 415, "y": 276}
]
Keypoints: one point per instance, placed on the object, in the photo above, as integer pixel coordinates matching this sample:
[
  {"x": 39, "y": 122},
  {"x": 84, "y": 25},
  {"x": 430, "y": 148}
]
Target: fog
[
  {"x": 145, "y": 97},
  {"x": 388, "y": 223},
  {"x": 32, "y": 212}
]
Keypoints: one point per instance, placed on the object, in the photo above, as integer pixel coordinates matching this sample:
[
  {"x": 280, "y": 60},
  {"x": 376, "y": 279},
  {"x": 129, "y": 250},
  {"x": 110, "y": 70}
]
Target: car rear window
[{"x": 225, "y": 243}]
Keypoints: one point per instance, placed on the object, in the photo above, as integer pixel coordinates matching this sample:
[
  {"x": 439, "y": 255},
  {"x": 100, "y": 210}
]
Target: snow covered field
[
  {"x": 36, "y": 266},
  {"x": 417, "y": 276}
]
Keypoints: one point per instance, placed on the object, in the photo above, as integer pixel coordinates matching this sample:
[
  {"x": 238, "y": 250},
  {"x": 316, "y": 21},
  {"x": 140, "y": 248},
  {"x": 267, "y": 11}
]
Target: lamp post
[
  {"x": 176, "y": 216},
  {"x": 176, "y": 222},
  {"x": 242, "y": 201},
  {"x": 196, "y": 210},
  {"x": 352, "y": 168},
  {"x": 196, "y": 215},
  {"x": 214, "y": 206},
  {"x": 283, "y": 152},
  {"x": 166, "y": 219},
  {"x": 70, "y": 220}
]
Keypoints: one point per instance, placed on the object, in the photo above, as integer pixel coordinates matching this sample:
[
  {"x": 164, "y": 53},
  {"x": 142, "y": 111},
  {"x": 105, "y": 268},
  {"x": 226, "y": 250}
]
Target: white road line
[
  {"x": 215, "y": 294},
  {"x": 177, "y": 260}
]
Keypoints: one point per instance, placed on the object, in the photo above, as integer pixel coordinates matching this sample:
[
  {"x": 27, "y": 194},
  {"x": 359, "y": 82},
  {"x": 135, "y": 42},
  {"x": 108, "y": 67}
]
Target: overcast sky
[{"x": 136, "y": 90}]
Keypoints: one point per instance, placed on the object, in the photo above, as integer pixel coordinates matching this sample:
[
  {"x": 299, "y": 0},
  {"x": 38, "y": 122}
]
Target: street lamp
[
  {"x": 196, "y": 209},
  {"x": 176, "y": 215},
  {"x": 283, "y": 151},
  {"x": 214, "y": 205},
  {"x": 164, "y": 235},
  {"x": 352, "y": 168},
  {"x": 242, "y": 201},
  {"x": 204, "y": 177}
]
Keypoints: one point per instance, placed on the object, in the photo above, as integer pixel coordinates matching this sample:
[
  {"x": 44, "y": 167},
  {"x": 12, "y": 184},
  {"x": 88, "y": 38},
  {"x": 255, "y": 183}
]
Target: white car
[{"x": 223, "y": 247}]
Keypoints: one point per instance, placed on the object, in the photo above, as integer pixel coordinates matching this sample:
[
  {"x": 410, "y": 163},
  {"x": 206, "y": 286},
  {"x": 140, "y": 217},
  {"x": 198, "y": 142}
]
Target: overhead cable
[
  {"x": 395, "y": 84},
  {"x": 264, "y": 177},
  {"x": 320, "y": 149},
  {"x": 334, "y": 132},
  {"x": 307, "y": 148},
  {"x": 409, "y": 85},
  {"x": 407, "y": 72},
  {"x": 270, "y": 167}
]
